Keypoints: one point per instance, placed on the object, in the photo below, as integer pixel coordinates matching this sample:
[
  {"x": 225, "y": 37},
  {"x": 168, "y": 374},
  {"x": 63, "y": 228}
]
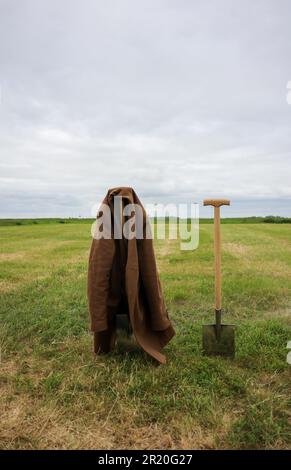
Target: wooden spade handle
[
  {"x": 216, "y": 202},
  {"x": 217, "y": 245},
  {"x": 217, "y": 256}
]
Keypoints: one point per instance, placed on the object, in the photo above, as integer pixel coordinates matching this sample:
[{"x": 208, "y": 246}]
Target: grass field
[{"x": 55, "y": 394}]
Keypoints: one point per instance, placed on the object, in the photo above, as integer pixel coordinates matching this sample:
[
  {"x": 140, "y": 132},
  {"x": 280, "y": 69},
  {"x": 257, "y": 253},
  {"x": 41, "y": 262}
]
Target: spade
[{"x": 218, "y": 339}]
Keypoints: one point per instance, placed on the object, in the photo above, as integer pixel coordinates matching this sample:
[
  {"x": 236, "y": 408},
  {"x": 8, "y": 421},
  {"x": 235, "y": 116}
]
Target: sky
[{"x": 180, "y": 99}]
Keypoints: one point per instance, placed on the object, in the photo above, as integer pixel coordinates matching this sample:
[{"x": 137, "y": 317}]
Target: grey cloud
[{"x": 178, "y": 99}]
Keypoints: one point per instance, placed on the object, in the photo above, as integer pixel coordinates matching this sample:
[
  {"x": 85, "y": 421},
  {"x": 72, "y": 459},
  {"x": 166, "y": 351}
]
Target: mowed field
[{"x": 55, "y": 394}]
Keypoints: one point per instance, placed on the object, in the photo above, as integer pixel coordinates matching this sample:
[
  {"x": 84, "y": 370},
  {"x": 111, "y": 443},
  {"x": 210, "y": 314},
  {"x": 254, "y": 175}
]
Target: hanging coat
[{"x": 123, "y": 278}]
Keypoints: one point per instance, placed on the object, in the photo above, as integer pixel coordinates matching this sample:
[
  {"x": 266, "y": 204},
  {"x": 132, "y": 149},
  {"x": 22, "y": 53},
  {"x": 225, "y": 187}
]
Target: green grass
[
  {"x": 55, "y": 394},
  {"x": 79, "y": 220},
  {"x": 41, "y": 221}
]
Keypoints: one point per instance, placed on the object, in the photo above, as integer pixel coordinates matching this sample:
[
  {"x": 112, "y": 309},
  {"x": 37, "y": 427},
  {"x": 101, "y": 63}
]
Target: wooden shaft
[
  {"x": 217, "y": 255},
  {"x": 216, "y": 203}
]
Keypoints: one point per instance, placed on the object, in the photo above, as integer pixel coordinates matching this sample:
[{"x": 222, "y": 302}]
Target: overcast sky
[{"x": 180, "y": 99}]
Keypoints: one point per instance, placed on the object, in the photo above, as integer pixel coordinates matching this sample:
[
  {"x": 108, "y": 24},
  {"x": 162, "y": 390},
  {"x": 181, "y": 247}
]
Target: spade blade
[{"x": 218, "y": 345}]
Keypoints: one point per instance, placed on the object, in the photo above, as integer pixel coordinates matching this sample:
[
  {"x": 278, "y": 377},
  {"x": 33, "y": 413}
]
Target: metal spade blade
[{"x": 218, "y": 339}]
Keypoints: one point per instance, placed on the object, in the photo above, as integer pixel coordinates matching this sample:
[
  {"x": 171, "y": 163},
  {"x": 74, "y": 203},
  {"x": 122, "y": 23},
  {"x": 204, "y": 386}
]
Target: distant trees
[{"x": 276, "y": 219}]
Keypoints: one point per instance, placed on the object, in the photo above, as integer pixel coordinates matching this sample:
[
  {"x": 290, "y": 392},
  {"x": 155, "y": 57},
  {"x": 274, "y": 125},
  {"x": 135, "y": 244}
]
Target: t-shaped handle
[{"x": 216, "y": 202}]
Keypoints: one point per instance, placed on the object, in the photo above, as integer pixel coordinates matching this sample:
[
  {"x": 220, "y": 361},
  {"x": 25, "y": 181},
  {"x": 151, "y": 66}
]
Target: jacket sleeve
[
  {"x": 100, "y": 265},
  {"x": 152, "y": 285}
]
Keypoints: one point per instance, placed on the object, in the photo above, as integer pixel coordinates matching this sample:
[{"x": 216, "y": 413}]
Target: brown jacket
[{"x": 123, "y": 278}]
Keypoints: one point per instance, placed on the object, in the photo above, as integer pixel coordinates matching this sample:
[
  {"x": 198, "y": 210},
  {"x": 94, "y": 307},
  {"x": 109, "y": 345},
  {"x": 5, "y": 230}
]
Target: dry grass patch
[
  {"x": 12, "y": 256},
  {"x": 236, "y": 249}
]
